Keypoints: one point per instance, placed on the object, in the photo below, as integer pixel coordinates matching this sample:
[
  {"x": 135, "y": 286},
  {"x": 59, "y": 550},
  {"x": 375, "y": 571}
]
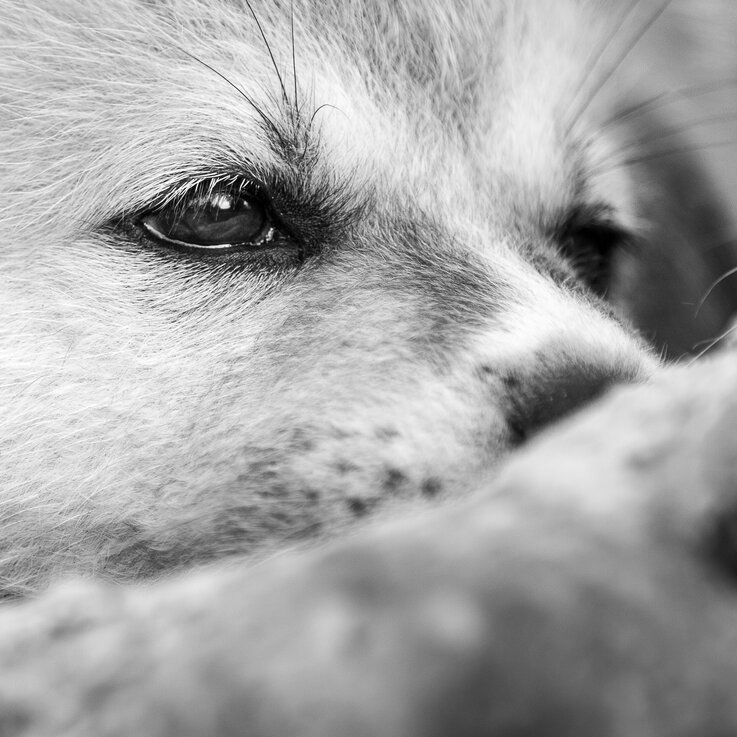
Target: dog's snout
[{"x": 535, "y": 401}]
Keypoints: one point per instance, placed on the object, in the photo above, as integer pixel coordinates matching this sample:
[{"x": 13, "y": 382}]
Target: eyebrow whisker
[{"x": 271, "y": 55}]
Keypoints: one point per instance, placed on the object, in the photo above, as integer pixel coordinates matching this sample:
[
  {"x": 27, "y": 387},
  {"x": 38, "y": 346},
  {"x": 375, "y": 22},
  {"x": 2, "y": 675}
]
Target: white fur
[
  {"x": 159, "y": 413},
  {"x": 143, "y": 396}
]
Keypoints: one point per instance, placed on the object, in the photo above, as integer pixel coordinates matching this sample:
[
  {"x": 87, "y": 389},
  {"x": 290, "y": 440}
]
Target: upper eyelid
[
  {"x": 590, "y": 216},
  {"x": 204, "y": 186},
  {"x": 599, "y": 213}
]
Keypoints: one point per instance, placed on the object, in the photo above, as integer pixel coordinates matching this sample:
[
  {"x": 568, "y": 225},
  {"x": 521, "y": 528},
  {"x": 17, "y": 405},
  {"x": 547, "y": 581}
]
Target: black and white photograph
[{"x": 368, "y": 368}]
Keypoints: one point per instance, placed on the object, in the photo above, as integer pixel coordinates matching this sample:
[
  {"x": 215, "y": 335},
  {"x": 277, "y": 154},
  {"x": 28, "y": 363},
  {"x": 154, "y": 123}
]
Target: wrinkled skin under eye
[{"x": 218, "y": 220}]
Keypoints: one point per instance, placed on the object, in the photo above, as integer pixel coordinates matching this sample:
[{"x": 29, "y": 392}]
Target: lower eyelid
[{"x": 268, "y": 235}]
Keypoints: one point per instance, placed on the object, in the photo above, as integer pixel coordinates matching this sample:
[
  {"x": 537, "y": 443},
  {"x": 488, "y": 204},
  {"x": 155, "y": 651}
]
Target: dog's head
[{"x": 265, "y": 266}]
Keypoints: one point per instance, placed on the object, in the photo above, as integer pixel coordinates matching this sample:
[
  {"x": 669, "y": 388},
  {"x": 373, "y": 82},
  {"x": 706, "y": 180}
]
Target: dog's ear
[{"x": 679, "y": 288}]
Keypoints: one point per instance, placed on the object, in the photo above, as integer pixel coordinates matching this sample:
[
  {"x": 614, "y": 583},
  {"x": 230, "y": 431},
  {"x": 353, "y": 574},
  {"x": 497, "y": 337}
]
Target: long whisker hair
[
  {"x": 712, "y": 287},
  {"x": 294, "y": 57},
  {"x": 711, "y": 343},
  {"x": 595, "y": 57},
  {"x": 267, "y": 120},
  {"x": 622, "y": 55},
  {"x": 285, "y": 97},
  {"x": 672, "y": 151},
  {"x": 648, "y": 141},
  {"x": 665, "y": 99}
]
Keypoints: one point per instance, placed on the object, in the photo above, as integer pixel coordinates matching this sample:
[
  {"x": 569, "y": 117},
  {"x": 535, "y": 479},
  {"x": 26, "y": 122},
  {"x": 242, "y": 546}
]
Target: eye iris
[{"x": 215, "y": 220}]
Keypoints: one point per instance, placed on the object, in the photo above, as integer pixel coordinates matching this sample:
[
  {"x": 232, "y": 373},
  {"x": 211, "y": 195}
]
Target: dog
[{"x": 280, "y": 273}]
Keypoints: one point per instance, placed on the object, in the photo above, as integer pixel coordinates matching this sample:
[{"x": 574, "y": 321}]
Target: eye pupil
[
  {"x": 225, "y": 219},
  {"x": 215, "y": 220}
]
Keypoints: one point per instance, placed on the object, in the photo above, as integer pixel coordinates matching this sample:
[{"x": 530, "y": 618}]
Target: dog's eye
[
  {"x": 589, "y": 240},
  {"x": 219, "y": 219}
]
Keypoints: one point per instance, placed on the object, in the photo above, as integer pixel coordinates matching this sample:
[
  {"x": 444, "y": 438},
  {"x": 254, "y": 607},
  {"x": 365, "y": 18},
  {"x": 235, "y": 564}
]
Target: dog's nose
[{"x": 540, "y": 397}]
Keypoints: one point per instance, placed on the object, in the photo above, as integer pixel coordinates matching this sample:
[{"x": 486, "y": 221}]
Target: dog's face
[{"x": 266, "y": 268}]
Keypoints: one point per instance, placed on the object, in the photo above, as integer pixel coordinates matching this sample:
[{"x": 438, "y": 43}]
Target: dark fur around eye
[{"x": 589, "y": 239}]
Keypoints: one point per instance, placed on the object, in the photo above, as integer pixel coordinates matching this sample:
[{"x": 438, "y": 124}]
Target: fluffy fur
[{"x": 442, "y": 178}]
